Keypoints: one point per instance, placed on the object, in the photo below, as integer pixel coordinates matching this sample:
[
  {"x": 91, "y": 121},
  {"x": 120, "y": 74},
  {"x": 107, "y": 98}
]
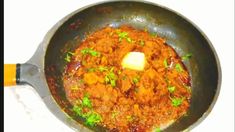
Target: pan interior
[{"x": 179, "y": 33}]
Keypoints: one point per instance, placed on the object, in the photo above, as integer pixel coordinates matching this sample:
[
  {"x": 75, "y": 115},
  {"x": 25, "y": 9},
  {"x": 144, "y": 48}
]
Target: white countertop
[{"x": 27, "y": 21}]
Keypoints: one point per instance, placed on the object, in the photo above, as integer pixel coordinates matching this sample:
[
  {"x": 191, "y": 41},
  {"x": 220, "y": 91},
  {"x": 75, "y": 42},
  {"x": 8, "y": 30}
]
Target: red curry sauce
[{"x": 122, "y": 99}]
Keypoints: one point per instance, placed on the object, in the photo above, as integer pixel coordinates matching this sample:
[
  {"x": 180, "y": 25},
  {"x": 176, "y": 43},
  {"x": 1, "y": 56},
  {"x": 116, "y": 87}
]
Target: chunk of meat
[{"x": 92, "y": 78}]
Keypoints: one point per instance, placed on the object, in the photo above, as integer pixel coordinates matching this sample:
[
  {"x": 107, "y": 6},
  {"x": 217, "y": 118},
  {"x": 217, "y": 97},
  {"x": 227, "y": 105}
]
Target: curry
[{"x": 104, "y": 92}]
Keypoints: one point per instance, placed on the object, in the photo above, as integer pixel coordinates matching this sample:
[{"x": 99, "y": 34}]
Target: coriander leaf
[
  {"x": 68, "y": 56},
  {"x": 77, "y": 110},
  {"x": 176, "y": 101},
  {"x": 157, "y": 129},
  {"x": 71, "y": 53},
  {"x": 171, "y": 89},
  {"x": 136, "y": 80},
  {"x": 114, "y": 114},
  {"x": 111, "y": 75},
  {"x": 165, "y": 63},
  {"x": 186, "y": 57},
  {"x": 92, "y": 119},
  {"x": 94, "y": 53},
  {"x": 106, "y": 79},
  {"x": 128, "y": 39},
  {"x": 130, "y": 118},
  {"x": 113, "y": 83},
  {"x": 153, "y": 34},
  {"x": 178, "y": 67},
  {"x": 90, "y": 51},
  {"x": 124, "y": 35},
  {"x": 101, "y": 69},
  {"x": 91, "y": 69},
  {"x": 111, "y": 78},
  {"x": 85, "y": 51},
  {"x": 86, "y": 102}
]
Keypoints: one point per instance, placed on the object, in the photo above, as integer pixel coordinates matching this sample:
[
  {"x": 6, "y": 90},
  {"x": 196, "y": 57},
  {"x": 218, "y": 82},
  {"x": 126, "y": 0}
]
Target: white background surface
[{"x": 27, "y": 21}]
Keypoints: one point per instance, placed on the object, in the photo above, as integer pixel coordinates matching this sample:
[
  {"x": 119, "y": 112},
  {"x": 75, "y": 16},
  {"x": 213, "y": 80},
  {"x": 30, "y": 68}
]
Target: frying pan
[{"x": 44, "y": 70}]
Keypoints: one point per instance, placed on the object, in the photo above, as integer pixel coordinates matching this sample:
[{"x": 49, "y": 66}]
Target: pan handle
[
  {"x": 11, "y": 74},
  {"x": 16, "y": 74}
]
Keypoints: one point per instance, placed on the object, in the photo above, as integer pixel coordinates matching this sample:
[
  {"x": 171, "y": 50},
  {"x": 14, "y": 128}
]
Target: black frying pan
[{"x": 44, "y": 70}]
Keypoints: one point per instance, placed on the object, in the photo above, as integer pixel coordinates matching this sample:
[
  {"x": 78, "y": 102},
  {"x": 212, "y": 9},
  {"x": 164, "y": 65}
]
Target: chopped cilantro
[
  {"x": 86, "y": 102},
  {"x": 136, "y": 79},
  {"x": 171, "y": 89},
  {"x": 92, "y": 118},
  {"x": 111, "y": 78},
  {"x": 124, "y": 35},
  {"x": 102, "y": 68},
  {"x": 130, "y": 118},
  {"x": 119, "y": 72},
  {"x": 113, "y": 83},
  {"x": 165, "y": 63},
  {"x": 128, "y": 40},
  {"x": 176, "y": 101},
  {"x": 153, "y": 34},
  {"x": 157, "y": 129},
  {"x": 90, "y": 51},
  {"x": 114, "y": 114},
  {"x": 91, "y": 69},
  {"x": 186, "y": 57},
  {"x": 77, "y": 110},
  {"x": 68, "y": 56},
  {"x": 178, "y": 67}
]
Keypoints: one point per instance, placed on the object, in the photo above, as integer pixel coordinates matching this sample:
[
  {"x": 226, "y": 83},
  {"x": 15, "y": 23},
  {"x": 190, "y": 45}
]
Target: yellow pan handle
[{"x": 9, "y": 74}]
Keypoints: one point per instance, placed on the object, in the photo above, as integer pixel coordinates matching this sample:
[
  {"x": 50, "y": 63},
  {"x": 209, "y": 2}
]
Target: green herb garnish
[
  {"x": 136, "y": 79},
  {"x": 68, "y": 56},
  {"x": 157, "y": 129},
  {"x": 171, "y": 89},
  {"x": 153, "y": 34},
  {"x": 176, "y": 102},
  {"x": 92, "y": 118},
  {"x": 128, "y": 39},
  {"x": 178, "y": 67},
  {"x": 91, "y": 69},
  {"x": 124, "y": 35},
  {"x": 186, "y": 57},
  {"x": 102, "y": 68},
  {"x": 86, "y": 102},
  {"x": 114, "y": 114},
  {"x": 77, "y": 110},
  {"x": 113, "y": 83},
  {"x": 111, "y": 78},
  {"x": 130, "y": 118},
  {"x": 90, "y": 51},
  {"x": 165, "y": 63}
]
